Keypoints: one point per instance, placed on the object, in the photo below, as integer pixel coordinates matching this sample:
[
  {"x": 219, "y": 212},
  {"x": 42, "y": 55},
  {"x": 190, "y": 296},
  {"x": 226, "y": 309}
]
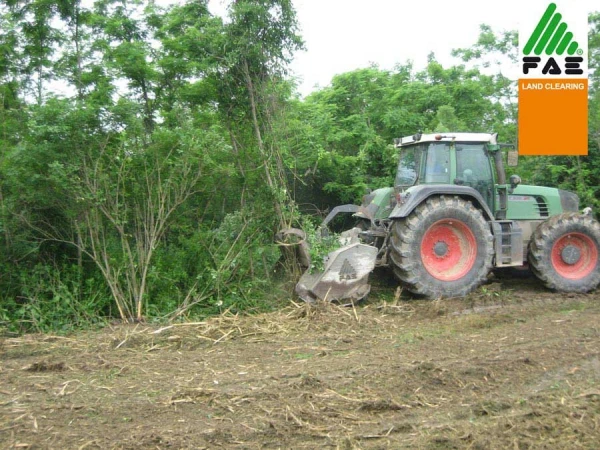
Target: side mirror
[
  {"x": 515, "y": 180},
  {"x": 512, "y": 158}
]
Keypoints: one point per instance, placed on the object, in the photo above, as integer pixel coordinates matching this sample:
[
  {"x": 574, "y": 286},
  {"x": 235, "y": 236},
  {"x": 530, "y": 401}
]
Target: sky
[{"x": 345, "y": 35}]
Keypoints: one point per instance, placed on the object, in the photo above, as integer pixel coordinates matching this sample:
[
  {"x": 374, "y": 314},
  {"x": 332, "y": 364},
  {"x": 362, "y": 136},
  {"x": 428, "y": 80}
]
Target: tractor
[{"x": 450, "y": 219}]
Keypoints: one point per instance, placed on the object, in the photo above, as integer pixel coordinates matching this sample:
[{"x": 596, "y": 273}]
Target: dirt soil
[{"x": 512, "y": 366}]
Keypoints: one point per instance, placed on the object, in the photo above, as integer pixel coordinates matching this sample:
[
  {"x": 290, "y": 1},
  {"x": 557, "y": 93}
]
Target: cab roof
[{"x": 446, "y": 137}]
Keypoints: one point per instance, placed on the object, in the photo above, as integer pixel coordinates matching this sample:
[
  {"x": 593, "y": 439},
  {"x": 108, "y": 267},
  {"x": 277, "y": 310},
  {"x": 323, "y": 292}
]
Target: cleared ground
[{"x": 512, "y": 366}]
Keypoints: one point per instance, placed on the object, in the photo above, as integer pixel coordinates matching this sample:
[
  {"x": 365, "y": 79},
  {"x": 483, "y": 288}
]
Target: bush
[{"x": 57, "y": 299}]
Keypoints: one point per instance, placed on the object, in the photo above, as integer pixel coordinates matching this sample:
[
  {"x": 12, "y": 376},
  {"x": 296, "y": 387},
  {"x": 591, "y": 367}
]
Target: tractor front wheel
[
  {"x": 442, "y": 249},
  {"x": 563, "y": 253}
]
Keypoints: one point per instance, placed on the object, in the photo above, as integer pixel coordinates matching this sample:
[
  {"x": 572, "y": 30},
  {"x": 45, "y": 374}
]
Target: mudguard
[{"x": 418, "y": 194}]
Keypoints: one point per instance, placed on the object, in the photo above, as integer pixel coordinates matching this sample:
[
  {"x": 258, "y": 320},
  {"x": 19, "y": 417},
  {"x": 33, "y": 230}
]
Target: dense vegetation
[{"x": 148, "y": 155}]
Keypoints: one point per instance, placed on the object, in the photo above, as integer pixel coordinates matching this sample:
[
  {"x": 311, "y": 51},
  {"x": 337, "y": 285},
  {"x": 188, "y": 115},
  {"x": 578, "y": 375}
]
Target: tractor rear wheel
[
  {"x": 563, "y": 253},
  {"x": 442, "y": 249}
]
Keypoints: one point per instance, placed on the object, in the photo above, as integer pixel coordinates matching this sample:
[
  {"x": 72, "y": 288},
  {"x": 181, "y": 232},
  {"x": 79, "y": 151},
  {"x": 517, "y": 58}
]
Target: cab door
[{"x": 474, "y": 169}]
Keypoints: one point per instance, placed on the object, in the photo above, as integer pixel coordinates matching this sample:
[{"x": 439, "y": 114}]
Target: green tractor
[{"x": 450, "y": 219}]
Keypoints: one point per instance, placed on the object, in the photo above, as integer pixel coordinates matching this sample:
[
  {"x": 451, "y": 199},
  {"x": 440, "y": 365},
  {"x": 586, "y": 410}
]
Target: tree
[
  {"x": 120, "y": 199},
  {"x": 491, "y": 52},
  {"x": 252, "y": 54},
  {"x": 38, "y": 40}
]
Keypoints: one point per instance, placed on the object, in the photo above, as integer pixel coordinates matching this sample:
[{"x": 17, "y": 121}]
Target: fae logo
[
  {"x": 553, "y": 83},
  {"x": 551, "y": 36}
]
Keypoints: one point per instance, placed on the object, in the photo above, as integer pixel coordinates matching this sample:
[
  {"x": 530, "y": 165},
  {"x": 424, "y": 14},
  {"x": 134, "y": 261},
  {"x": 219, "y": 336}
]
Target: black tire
[
  {"x": 563, "y": 253},
  {"x": 444, "y": 248}
]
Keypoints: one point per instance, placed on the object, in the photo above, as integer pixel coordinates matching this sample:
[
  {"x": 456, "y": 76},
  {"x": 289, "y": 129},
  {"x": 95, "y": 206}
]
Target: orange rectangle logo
[{"x": 553, "y": 116}]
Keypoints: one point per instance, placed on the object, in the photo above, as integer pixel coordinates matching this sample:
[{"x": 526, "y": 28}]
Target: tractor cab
[{"x": 461, "y": 159}]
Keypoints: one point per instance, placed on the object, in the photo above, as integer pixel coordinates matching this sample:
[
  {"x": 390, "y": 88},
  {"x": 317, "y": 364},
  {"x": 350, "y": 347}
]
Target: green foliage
[
  {"x": 55, "y": 299},
  {"x": 447, "y": 120},
  {"x": 320, "y": 244},
  {"x": 213, "y": 269}
]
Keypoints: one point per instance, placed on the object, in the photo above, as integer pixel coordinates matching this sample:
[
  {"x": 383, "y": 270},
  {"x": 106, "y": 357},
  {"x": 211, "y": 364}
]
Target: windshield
[
  {"x": 437, "y": 163},
  {"x": 408, "y": 167}
]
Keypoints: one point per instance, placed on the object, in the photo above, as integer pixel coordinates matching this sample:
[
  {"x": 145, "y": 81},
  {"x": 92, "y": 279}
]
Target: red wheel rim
[
  {"x": 574, "y": 256},
  {"x": 448, "y": 250}
]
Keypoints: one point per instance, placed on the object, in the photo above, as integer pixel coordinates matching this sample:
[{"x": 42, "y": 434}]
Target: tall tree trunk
[
  {"x": 261, "y": 147},
  {"x": 76, "y": 37}
]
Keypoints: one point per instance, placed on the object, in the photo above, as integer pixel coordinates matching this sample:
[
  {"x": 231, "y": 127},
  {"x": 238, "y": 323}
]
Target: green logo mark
[{"x": 551, "y": 34}]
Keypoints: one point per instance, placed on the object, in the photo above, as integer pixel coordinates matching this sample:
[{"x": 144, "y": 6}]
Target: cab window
[{"x": 438, "y": 164}]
